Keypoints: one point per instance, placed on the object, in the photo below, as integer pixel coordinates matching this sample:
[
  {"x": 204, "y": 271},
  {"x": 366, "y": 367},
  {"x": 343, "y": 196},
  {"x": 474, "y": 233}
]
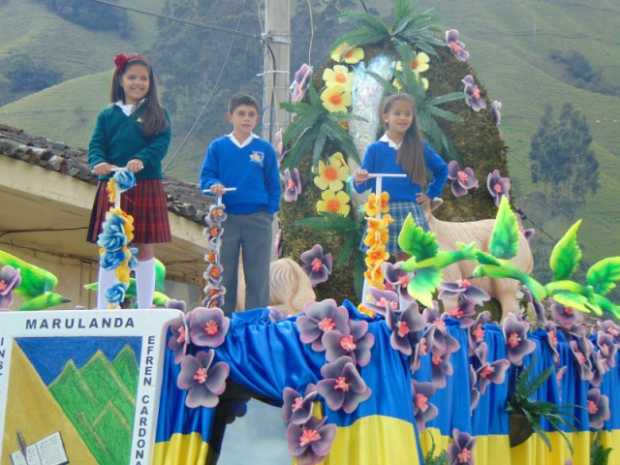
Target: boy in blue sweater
[{"x": 243, "y": 160}]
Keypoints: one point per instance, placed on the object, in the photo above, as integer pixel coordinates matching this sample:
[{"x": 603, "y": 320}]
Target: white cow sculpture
[{"x": 448, "y": 234}]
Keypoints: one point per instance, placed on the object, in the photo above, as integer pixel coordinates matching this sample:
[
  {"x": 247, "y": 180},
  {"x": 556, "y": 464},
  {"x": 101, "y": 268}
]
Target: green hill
[{"x": 98, "y": 401}]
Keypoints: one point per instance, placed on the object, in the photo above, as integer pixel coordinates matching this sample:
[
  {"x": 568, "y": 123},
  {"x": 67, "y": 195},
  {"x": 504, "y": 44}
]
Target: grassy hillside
[{"x": 510, "y": 42}]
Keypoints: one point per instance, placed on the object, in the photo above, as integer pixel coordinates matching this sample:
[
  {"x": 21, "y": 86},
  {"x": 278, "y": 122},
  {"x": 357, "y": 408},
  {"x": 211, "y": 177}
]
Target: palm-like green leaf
[
  {"x": 604, "y": 274},
  {"x": 505, "y": 235},
  {"x": 576, "y": 301},
  {"x": 415, "y": 241},
  {"x": 566, "y": 255}
]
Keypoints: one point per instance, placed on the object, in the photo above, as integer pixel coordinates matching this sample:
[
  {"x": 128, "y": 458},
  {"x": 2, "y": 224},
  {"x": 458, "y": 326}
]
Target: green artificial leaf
[
  {"x": 564, "y": 286},
  {"x": 418, "y": 243},
  {"x": 606, "y": 305},
  {"x": 507, "y": 270},
  {"x": 573, "y": 300},
  {"x": 566, "y": 255},
  {"x": 44, "y": 301},
  {"x": 319, "y": 145},
  {"x": 505, "y": 235},
  {"x": 423, "y": 284},
  {"x": 604, "y": 274},
  {"x": 445, "y": 114},
  {"x": 599, "y": 454},
  {"x": 346, "y": 250},
  {"x": 329, "y": 222}
]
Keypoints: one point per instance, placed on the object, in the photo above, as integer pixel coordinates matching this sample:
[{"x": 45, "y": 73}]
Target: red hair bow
[{"x": 122, "y": 59}]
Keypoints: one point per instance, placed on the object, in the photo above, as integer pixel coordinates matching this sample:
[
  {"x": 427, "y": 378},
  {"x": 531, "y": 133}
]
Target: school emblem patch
[{"x": 257, "y": 157}]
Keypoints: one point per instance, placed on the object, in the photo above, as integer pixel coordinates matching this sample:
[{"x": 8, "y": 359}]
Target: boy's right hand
[
  {"x": 103, "y": 169},
  {"x": 361, "y": 176},
  {"x": 217, "y": 189}
]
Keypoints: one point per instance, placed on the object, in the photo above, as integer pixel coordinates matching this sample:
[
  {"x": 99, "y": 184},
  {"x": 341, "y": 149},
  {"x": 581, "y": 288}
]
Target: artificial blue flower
[
  {"x": 112, "y": 239},
  {"x": 116, "y": 294},
  {"x": 125, "y": 180},
  {"x": 112, "y": 259}
]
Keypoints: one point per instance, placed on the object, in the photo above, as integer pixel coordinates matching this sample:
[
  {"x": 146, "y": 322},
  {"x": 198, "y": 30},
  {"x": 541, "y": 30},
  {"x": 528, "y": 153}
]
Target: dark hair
[
  {"x": 154, "y": 119},
  {"x": 242, "y": 99},
  {"x": 410, "y": 155}
]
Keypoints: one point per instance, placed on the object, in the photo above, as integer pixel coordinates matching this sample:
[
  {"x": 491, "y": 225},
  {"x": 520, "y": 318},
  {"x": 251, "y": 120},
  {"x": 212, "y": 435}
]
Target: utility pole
[{"x": 276, "y": 79}]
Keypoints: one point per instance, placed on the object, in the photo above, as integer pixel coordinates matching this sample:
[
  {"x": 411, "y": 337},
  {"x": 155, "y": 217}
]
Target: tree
[
  {"x": 562, "y": 160},
  {"x": 91, "y": 15},
  {"x": 24, "y": 75}
]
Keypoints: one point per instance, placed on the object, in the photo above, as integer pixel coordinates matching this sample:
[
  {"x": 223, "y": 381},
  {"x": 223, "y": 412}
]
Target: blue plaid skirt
[{"x": 399, "y": 212}]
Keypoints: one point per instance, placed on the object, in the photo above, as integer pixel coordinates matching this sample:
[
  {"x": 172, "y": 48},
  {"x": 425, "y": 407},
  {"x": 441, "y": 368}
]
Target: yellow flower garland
[{"x": 377, "y": 237}]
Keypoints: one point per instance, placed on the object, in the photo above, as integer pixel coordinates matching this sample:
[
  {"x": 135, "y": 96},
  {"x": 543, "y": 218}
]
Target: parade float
[{"x": 456, "y": 355}]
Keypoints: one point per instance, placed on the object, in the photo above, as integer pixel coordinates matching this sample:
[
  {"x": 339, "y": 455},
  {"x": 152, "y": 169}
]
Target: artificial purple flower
[
  {"x": 496, "y": 112},
  {"x": 608, "y": 348},
  {"x": 292, "y": 185},
  {"x": 441, "y": 368},
  {"x": 343, "y": 387},
  {"x": 381, "y": 302},
  {"x": 566, "y": 318},
  {"x": 582, "y": 351},
  {"x": 517, "y": 343},
  {"x": 498, "y": 186},
  {"x": 300, "y": 83},
  {"x": 461, "y": 180},
  {"x": 214, "y": 295},
  {"x": 463, "y": 287},
  {"x": 460, "y": 451},
  {"x": 476, "y": 331},
  {"x": 440, "y": 340},
  {"x": 464, "y": 312},
  {"x": 208, "y": 327},
  {"x": 180, "y": 305},
  {"x": 214, "y": 274},
  {"x": 204, "y": 382},
  {"x": 456, "y": 46},
  {"x": 317, "y": 265},
  {"x": 297, "y": 409},
  {"x": 610, "y": 328},
  {"x": 10, "y": 278},
  {"x": 538, "y": 307},
  {"x": 319, "y": 318},
  {"x": 354, "y": 341},
  {"x": 397, "y": 280},
  {"x": 494, "y": 372},
  {"x": 473, "y": 97},
  {"x": 474, "y": 393},
  {"x": 421, "y": 349},
  {"x": 598, "y": 408},
  {"x": 406, "y": 327},
  {"x": 599, "y": 368},
  {"x": 310, "y": 443},
  {"x": 178, "y": 340},
  {"x": 432, "y": 314},
  {"x": 423, "y": 410},
  {"x": 552, "y": 339}
]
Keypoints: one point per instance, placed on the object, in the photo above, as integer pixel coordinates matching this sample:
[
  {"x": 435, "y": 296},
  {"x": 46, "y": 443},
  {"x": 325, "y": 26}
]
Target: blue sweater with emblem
[
  {"x": 380, "y": 157},
  {"x": 252, "y": 169}
]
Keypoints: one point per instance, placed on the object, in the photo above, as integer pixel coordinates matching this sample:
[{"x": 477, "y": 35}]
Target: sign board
[{"x": 80, "y": 386}]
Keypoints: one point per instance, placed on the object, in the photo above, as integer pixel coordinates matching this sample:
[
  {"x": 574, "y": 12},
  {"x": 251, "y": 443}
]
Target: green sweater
[{"x": 118, "y": 138}]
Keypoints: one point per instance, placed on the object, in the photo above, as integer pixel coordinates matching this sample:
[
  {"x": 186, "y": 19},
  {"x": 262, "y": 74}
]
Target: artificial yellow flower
[
  {"x": 122, "y": 272},
  {"x": 336, "y": 99},
  {"x": 333, "y": 173},
  {"x": 374, "y": 276},
  {"x": 365, "y": 310},
  {"x": 111, "y": 189},
  {"x": 344, "y": 52},
  {"x": 422, "y": 80},
  {"x": 418, "y": 65},
  {"x": 334, "y": 202},
  {"x": 338, "y": 76},
  {"x": 376, "y": 256},
  {"x": 376, "y": 237},
  {"x": 373, "y": 208}
]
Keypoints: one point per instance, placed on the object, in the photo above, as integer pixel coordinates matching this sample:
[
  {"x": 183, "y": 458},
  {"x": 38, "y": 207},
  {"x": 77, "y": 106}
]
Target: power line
[
  {"x": 311, "y": 14},
  {"x": 179, "y": 20},
  {"x": 214, "y": 90}
]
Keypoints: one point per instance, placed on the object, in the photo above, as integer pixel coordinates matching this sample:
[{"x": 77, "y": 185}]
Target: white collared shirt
[
  {"x": 385, "y": 138},
  {"x": 128, "y": 109},
  {"x": 245, "y": 143}
]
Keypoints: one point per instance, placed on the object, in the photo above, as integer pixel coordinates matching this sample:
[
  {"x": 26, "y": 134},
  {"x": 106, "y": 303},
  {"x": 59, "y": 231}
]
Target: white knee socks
[
  {"x": 145, "y": 282},
  {"x": 105, "y": 281}
]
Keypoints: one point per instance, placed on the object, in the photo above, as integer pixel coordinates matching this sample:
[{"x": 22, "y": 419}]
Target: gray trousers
[{"x": 252, "y": 234}]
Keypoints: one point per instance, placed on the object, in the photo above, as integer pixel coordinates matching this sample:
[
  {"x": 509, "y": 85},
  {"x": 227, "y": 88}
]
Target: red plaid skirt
[{"x": 146, "y": 203}]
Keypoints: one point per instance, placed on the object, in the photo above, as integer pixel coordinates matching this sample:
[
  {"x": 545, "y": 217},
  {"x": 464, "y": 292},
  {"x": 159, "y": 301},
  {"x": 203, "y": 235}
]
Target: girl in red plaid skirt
[{"x": 133, "y": 132}]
